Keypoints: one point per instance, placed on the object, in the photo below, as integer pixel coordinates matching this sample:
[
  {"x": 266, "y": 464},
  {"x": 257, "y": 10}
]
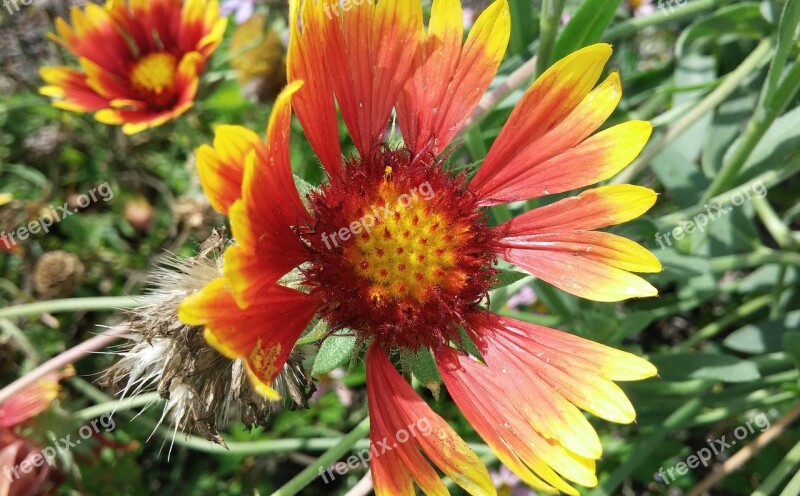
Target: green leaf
[
  {"x": 763, "y": 337},
  {"x": 423, "y": 367},
  {"x": 507, "y": 278},
  {"x": 334, "y": 352},
  {"x": 707, "y": 366},
  {"x": 791, "y": 342},
  {"x": 585, "y": 27},
  {"x": 742, "y": 21}
]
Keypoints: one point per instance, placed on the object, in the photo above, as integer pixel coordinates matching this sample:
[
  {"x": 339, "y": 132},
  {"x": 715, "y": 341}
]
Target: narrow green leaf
[
  {"x": 507, "y": 278},
  {"x": 709, "y": 366},
  {"x": 585, "y": 27}
]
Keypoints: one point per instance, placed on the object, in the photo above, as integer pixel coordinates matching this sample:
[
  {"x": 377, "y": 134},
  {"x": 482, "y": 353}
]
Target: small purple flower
[
  {"x": 508, "y": 484},
  {"x": 333, "y": 380},
  {"x": 525, "y": 296},
  {"x": 243, "y": 9}
]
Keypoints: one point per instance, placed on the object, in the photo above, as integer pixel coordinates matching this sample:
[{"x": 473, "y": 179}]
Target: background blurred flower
[
  {"x": 525, "y": 296},
  {"x": 508, "y": 484},
  {"x": 259, "y": 58},
  {"x": 333, "y": 380},
  {"x": 140, "y": 63},
  {"x": 243, "y": 9}
]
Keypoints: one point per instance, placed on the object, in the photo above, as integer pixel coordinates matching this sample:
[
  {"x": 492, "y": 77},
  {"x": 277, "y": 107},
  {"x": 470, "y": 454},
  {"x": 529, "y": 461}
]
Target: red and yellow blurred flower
[
  {"x": 397, "y": 249},
  {"x": 140, "y": 60},
  {"x": 15, "y": 449}
]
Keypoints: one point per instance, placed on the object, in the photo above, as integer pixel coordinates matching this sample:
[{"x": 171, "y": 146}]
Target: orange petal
[
  {"x": 593, "y": 209},
  {"x": 590, "y": 264},
  {"x": 405, "y": 428},
  {"x": 221, "y": 168},
  {"x": 264, "y": 334},
  {"x": 448, "y": 80},
  {"x": 314, "y": 102},
  {"x": 369, "y": 62}
]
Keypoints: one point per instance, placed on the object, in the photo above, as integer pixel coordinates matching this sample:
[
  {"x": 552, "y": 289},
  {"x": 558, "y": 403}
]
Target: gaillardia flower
[
  {"x": 396, "y": 248},
  {"x": 140, "y": 60}
]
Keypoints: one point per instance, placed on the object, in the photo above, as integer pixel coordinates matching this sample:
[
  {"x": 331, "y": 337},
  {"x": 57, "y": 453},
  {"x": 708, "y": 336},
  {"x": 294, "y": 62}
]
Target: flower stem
[
  {"x": 115, "y": 405},
  {"x": 635, "y": 24},
  {"x": 70, "y": 305},
  {"x": 549, "y": 22},
  {"x": 311, "y": 472},
  {"x": 72, "y": 355},
  {"x": 732, "y": 81},
  {"x": 757, "y": 259}
]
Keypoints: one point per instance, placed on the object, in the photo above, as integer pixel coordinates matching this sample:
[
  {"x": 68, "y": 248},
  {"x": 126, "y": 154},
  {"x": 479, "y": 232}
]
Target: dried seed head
[
  {"x": 204, "y": 390},
  {"x": 57, "y": 274}
]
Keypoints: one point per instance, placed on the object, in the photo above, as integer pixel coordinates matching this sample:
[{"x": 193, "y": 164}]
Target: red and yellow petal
[
  {"x": 541, "y": 435},
  {"x": 448, "y": 81},
  {"x": 593, "y": 209},
  {"x": 480, "y": 393},
  {"x": 137, "y": 119},
  {"x": 221, "y": 168},
  {"x": 369, "y": 62},
  {"x": 263, "y": 221},
  {"x": 32, "y": 400},
  {"x": 543, "y": 149},
  {"x": 264, "y": 334},
  {"x": 70, "y": 89},
  {"x": 397, "y": 410},
  {"x": 94, "y": 34},
  {"x": 584, "y": 377},
  {"x": 314, "y": 103},
  {"x": 590, "y": 264}
]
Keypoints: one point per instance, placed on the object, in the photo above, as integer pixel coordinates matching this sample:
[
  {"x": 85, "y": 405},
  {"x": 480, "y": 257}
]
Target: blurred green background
[{"x": 718, "y": 80}]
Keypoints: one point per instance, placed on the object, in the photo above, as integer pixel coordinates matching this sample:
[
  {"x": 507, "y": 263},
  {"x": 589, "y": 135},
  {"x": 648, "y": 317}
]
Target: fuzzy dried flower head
[{"x": 204, "y": 390}]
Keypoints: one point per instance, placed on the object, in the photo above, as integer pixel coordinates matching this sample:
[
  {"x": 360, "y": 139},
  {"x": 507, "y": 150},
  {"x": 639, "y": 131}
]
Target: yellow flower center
[
  {"x": 155, "y": 72},
  {"x": 403, "y": 247}
]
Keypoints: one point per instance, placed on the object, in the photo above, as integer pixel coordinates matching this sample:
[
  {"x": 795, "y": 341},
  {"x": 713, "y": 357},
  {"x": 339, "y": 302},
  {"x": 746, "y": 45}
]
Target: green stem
[
  {"x": 732, "y": 317},
  {"x": 750, "y": 260},
  {"x": 777, "y": 291},
  {"x": 20, "y": 339},
  {"x": 634, "y": 25},
  {"x": 756, "y": 129},
  {"x": 777, "y": 229},
  {"x": 549, "y": 22},
  {"x": 767, "y": 180},
  {"x": 793, "y": 487},
  {"x": 681, "y": 417},
  {"x": 308, "y": 474},
  {"x": 731, "y": 82},
  {"x": 70, "y": 305},
  {"x": 115, "y": 405}
]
